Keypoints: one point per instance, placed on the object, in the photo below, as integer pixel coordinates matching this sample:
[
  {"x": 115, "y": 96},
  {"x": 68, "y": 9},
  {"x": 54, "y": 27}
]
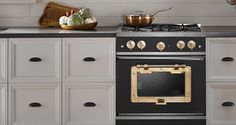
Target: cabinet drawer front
[
  {"x": 89, "y": 59},
  {"x": 162, "y": 122},
  {"x": 221, "y": 59},
  {"x": 35, "y": 59},
  {"x": 221, "y": 105},
  {"x": 34, "y": 104},
  {"x": 3, "y": 104},
  {"x": 88, "y": 105},
  {"x": 3, "y": 60}
]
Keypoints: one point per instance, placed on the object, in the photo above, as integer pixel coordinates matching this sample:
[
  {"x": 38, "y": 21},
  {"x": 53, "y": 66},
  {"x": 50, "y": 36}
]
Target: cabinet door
[
  {"x": 3, "y": 104},
  {"x": 88, "y": 105},
  {"x": 221, "y": 104},
  {"x": 221, "y": 59},
  {"x": 89, "y": 59},
  {"x": 3, "y": 60},
  {"x": 34, "y": 104},
  {"x": 35, "y": 59}
]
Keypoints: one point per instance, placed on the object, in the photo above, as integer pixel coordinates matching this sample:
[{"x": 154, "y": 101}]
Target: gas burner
[
  {"x": 164, "y": 28},
  {"x": 172, "y": 27},
  {"x": 192, "y": 27},
  {"x": 136, "y": 29}
]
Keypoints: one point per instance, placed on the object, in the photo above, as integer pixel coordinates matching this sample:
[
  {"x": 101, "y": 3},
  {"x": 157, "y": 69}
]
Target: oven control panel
[{"x": 175, "y": 44}]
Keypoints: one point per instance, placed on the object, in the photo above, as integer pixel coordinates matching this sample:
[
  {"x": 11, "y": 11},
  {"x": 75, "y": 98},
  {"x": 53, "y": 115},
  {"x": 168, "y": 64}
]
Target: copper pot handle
[
  {"x": 161, "y": 11},
  {"x": 139, "y": 12}
]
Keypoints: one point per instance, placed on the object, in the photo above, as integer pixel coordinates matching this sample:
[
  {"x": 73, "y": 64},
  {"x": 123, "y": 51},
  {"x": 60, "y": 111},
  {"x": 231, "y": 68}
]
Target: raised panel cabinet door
[
  {"x": 88, "y": 105},
  {"x": 89, "y": 59},
  {"x": 3, "y": 104},
  {"x": 3, "y": 60},
  {"x": 35, "y": 104},
  {"x": 35, "y": 59},
  {"x": 221, "y": 107},
  {"x": 221, "y": 59}
]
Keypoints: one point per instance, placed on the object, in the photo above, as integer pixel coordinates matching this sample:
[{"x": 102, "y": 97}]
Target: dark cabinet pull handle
[
  {"x": 89, "y": 104},
  {"x": 35, "y": 59},
  {"x": 35, "y": 104},
  {"x": 89, "y": 59},
  {"x": 228, "y": 104},
  {"x": 227, "y": 59}
]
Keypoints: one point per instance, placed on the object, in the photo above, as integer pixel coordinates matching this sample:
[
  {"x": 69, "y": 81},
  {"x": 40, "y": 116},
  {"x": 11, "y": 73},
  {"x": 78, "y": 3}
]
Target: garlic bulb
[
  {"x": 89, "y": 20},
  {"x": 63, "y": 20},
  {"x": 94, "y": 19}
]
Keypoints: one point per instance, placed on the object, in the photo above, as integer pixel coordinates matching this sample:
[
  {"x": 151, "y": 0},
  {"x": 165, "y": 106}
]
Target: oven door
[{"x": 170, "y": 85}]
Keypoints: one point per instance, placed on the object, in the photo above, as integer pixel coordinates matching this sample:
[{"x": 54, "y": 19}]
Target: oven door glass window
[{"x": 161, "y": 84}]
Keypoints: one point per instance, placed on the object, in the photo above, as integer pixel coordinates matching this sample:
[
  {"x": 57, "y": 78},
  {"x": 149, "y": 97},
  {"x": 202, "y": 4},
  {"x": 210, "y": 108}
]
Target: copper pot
[
  {"x": 231, "y": 2},
  {"x": 139, "y": 19}
]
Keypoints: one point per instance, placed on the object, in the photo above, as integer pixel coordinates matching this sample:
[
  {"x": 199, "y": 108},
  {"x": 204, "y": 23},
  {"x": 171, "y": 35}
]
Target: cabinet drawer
[
  {"x": 3, "y": 104},
  {"x": 89, "y": 59},
  {"x": 93, "y": 105},
  {"x": 221, "y": 59},
  {"x": 34, "y": 104},
  {"x": 33, "y": 59},
  {"x": 3, "y": 60},
  {"x": 162, "y": 122},
  {"x": 221, "y": 105}
]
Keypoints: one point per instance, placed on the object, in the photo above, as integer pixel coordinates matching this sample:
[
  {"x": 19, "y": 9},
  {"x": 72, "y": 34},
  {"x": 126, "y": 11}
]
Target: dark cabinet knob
[
  {"x": 35, "y": 104},
  {"x": 89, "y": 59},
  {"x": 228, "y": 104},
  {"x": 35, "y": 59},
  {"x": 227, "y": 59},
  {"x": 89, "y": 104}
]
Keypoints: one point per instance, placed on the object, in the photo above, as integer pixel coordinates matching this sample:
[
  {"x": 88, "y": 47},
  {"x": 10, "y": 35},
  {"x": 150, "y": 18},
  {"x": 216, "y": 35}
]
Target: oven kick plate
[{"x": 160, "y": 100}]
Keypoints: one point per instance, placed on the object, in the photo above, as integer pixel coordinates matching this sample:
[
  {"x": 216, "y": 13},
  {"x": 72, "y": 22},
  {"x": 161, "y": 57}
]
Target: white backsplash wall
[{"x": 109, "y": 12}]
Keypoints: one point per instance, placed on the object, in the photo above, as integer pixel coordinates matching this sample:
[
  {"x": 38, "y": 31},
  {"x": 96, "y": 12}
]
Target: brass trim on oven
[{"x": 161, "y": 100}]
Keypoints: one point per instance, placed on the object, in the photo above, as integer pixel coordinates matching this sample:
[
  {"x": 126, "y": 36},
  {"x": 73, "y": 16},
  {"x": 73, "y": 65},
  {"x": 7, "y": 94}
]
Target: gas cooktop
[
  {"x": 162, "y": 30},
  {"x": 161, "y": 38},
  {"x": 193, "y": 27}
]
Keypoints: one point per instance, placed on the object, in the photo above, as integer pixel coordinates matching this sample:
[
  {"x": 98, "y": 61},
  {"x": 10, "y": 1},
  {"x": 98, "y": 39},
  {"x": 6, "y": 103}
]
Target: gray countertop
[
  {"x": 110, "y": 31},
  {"x": 220, "y": 31},
  {"x": 105, "y": 31}
]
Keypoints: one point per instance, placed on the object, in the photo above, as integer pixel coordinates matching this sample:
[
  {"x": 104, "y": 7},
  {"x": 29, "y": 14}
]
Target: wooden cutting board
[{"x": 52, "y": 13}]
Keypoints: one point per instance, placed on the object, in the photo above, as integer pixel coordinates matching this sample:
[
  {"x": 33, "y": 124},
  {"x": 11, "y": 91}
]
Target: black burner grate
[{"x": 164, "y": 28}]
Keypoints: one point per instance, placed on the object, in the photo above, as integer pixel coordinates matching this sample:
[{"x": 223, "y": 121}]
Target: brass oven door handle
[
  {"x": 163, "y": 58},
  {"x": 161, "y": 66}
]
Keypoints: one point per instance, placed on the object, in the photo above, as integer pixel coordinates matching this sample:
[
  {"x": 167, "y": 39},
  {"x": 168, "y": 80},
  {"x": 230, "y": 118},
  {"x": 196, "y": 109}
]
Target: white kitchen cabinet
[
  {"x": 35, "y": 104},
  {"x": 88, "y": 105},
  {"x": 36, "y": 78},
  {"x": 221, "y": 59},
  {"x": 221, "y": 104},
  {"x": 3, "y": 104},
  {"x": 88, "y": 59},
  {"x": 35, "y": 60},
  {"x": 221, "y": 81},
  {"x": 17, "y": 1},
  {"x": 3, "y": 60}
]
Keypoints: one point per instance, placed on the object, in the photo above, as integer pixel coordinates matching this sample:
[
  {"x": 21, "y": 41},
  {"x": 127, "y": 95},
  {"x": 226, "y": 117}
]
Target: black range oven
[{"x": 160, "y": 80}]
